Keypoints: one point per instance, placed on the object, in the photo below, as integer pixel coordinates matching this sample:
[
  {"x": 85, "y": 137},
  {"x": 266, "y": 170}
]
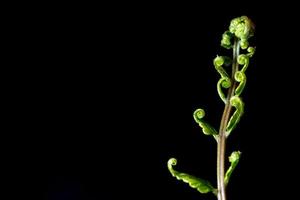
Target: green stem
[{"x": 224, "y": 121}]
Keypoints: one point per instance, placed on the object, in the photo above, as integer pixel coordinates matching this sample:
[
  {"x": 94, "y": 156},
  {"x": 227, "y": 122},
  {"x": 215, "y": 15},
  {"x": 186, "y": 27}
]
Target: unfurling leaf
[
  {"x": 201, "y": 185},
  {"x": 236, "y": 102},
  {"x": 234, "y": 160},
  {"x": 240, "y": 77},
  {"x": 206, "y": 128},
  {"x": 242, "y": 28},
  {"x": 224, "y": 81}
]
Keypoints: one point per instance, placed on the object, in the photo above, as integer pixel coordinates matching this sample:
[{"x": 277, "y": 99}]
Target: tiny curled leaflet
[
  {"x": 234, "y": 159},
  {"x": 201, "y": 185},
  {"x": 206, "y": 128}
]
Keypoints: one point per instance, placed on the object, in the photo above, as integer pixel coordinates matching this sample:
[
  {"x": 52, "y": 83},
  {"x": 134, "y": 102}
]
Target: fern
[{"x": 229, "y": 87}]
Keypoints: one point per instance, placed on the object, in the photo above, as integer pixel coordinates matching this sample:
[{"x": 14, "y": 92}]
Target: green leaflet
[
  {"x": 225, "y": 81},
  {"x": 234, "y": 159},
  {"x": 206, "y": 128},
  {"x": 251, "y": 51},
  {"x": 240, "y": 77},
  {"x": 235, "y": 118},
  {"x": 201, "y": 185},
  {"x": 226, "y": 41},
  {"x": 219, "y": 61},
  {"x": 243, "y": 60}
]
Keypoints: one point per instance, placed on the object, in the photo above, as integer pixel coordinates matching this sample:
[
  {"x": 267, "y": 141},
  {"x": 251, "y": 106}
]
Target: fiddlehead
[
  {"x": 240, "y": 76},
  {"x": 201, "y": 185},
  {"x": 236, "y": 102},
  {"x": 251, "y": 51},
  {"x": 243, "y": 29},
  {"x": 206, "y": 128},
  {"x": 226, "y": 41},
  {"x": 234, "y": 159},
  {"x": 224, "y": 81}
]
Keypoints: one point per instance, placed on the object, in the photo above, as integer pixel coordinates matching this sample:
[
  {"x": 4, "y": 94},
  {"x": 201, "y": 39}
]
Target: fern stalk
[{"x": 222, "y": 132}]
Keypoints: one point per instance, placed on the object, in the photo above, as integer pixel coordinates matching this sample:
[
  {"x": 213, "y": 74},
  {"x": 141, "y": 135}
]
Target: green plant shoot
[{"x": 229, "y": 87}]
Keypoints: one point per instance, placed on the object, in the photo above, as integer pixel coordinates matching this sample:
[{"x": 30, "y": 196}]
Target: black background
[{"x": 103, "y": 96}]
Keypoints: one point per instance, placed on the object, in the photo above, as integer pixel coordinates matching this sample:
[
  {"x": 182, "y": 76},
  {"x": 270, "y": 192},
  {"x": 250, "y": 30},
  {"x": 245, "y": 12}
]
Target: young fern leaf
[
  {"x": 226, "y": 41},
  {"x": 240, "y": 77},
  {"x": 206, "y": 128},
  {"x": 243, "y": 59},
  {"x": 236, "y": 102},
  {"x": 251, "y": 51},
  {"x": 224, "y": 81},
  {"x": 199, "y": 184},
  {"x": 243, "y": 29},
  {"x": 234, "y": 159}
]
